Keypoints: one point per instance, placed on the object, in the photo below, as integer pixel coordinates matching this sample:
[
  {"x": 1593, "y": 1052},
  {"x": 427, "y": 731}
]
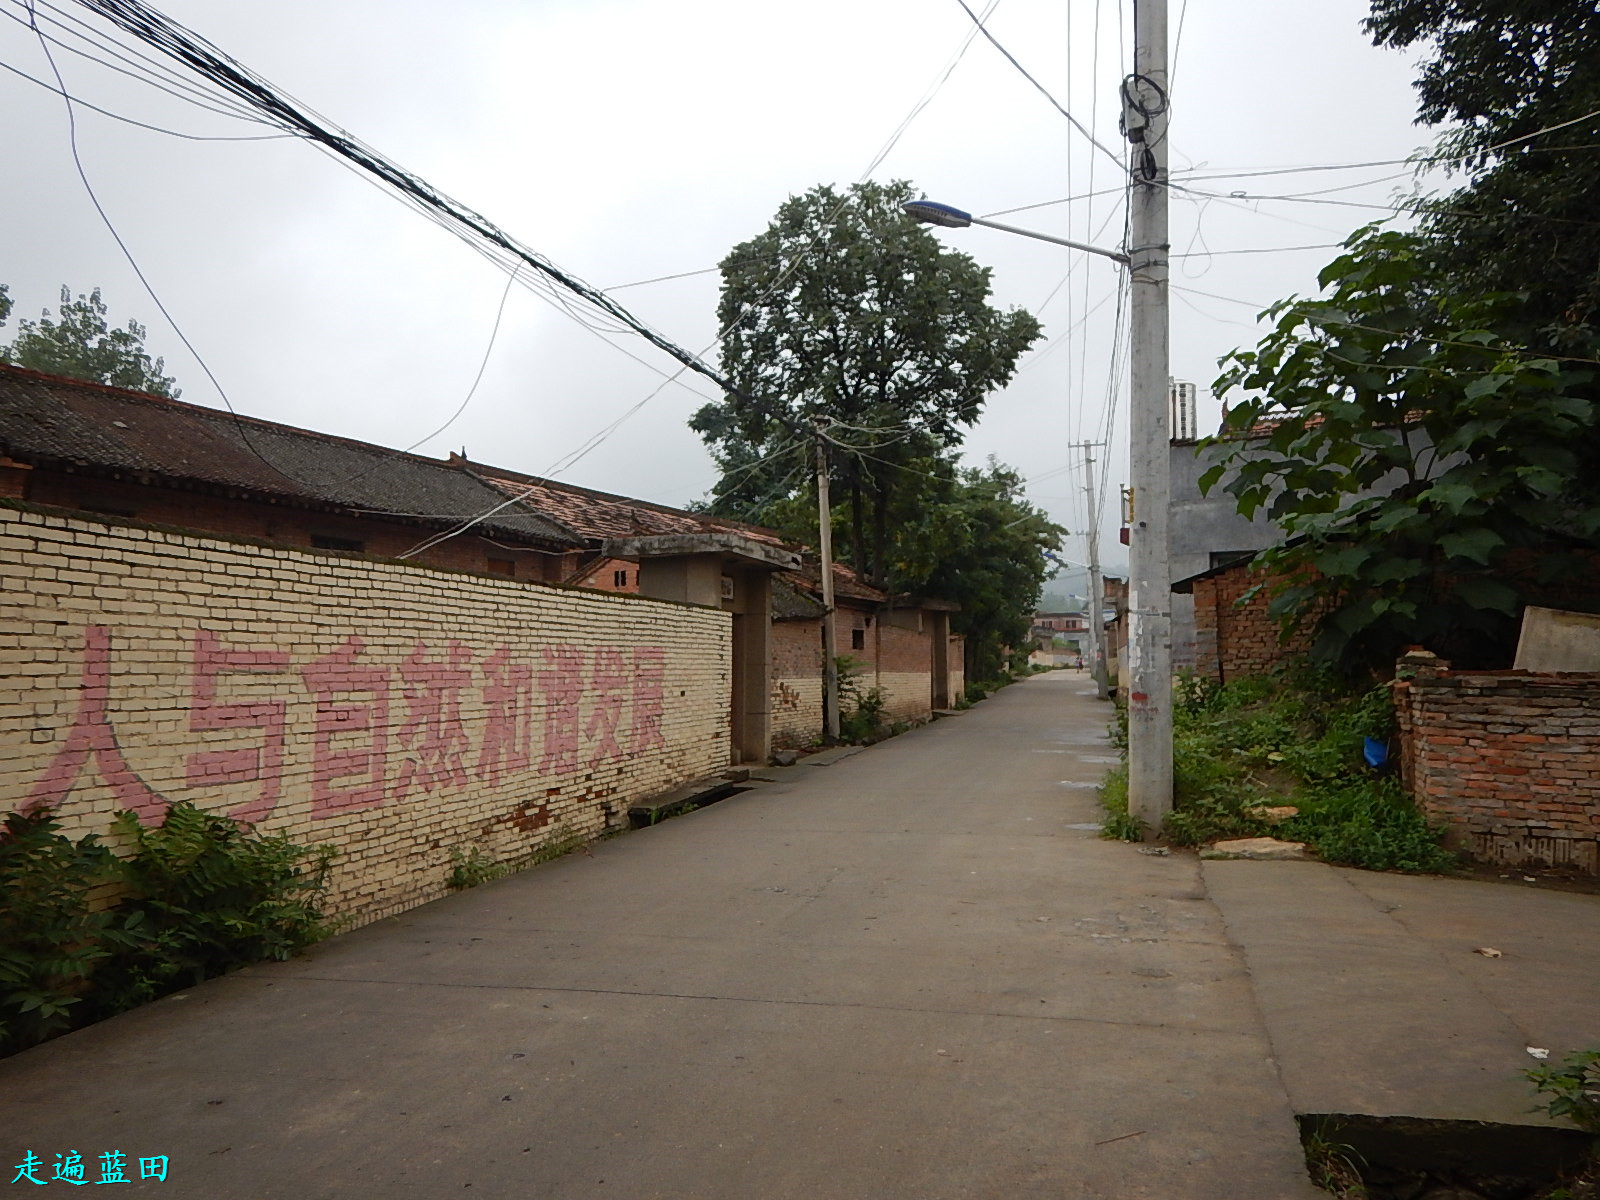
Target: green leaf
[
  {"x": 1478, "y": 545},
  {"x": 1483, "y": 592}
]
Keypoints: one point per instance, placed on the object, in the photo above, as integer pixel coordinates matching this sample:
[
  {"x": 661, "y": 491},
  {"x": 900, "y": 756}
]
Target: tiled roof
[
  {"x": 846, "y": 584},
  {"x": 604, "y": 515},
  {"x": 52, "y": 421}
]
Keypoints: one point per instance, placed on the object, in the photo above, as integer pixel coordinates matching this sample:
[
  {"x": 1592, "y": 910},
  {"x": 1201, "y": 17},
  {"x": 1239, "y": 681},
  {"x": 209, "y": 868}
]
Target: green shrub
[
  {"x": 194, "y": 898},
  {"x": 1573, "y": 1088},
  {"x": 472, "y": 868},
  {"x": 50, "y": 939},
  {"x": 204, "y": 895}
]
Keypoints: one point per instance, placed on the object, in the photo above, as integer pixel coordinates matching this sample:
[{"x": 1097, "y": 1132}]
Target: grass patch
[{"x": 1292, "y": 738}]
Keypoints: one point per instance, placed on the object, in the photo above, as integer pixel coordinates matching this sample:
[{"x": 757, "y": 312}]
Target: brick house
[
  {"x": 1233, "y": 633},
  {"x": 90, "y": 448},
  {"x": 901, "y": 646}
]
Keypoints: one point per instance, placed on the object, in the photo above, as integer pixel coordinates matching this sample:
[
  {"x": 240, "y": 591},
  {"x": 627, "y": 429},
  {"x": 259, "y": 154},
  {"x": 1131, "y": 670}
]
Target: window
[
  {"x": 323, "y": 541},
  {"x": 503, "y": 566},
  {"x": 858, "y": 639},
  {"x": 619, "y": 579}
]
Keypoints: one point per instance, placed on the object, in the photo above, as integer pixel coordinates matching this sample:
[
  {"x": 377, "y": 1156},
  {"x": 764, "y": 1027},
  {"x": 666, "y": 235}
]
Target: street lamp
[
  {"x": 1145, "y": 677},
  {"x": 947, "y": 215}
]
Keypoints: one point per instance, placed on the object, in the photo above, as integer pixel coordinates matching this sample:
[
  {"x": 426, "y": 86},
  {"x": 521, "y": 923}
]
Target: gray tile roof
[{"x": 51, "y": 421}]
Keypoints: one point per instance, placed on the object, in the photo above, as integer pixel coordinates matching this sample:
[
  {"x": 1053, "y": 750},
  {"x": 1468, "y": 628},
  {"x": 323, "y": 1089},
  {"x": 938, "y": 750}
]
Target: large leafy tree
[
  {"x": 1432, "y": 474},
  {"x": 82, "y": 345},
  {"x": 847, "y": 311},
  {"x": 981, "y": 544},
  {"x": 1496, "y": 73}
]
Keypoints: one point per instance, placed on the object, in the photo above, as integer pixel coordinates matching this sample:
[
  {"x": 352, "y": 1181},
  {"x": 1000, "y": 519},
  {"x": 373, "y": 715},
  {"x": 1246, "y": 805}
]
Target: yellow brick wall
[{"x": 392, "y": 711}]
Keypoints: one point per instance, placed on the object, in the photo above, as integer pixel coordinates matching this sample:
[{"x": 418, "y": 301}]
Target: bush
[
  {"x": 1293, "y": 738},
  {"x": 199, "y": 896},
  {"x": 50, "y": 939}
]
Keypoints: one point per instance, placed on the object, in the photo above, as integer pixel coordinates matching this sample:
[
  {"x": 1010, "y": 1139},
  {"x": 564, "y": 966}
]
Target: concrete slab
[{"x": 1370, "y": 1013}]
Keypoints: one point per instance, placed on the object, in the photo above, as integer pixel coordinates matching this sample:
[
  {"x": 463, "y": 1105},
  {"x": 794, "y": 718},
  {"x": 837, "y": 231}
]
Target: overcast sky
[{"x": 629, "y": 139}]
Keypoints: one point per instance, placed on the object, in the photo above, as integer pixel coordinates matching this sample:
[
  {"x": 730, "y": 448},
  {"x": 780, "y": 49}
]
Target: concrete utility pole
[
  {"x": 1147, "y": 675},
  {"x": 830, "y": 648},
  {"x": 1097, "y": 591}
]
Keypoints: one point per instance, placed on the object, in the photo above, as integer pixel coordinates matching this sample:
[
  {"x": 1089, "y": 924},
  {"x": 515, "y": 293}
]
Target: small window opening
[
  {"x": 858, "y": 639},
  {"x": 619, "y": 579}
]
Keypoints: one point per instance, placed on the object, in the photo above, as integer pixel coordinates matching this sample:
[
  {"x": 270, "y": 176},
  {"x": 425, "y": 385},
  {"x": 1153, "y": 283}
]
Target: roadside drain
[{"x": 1410, "y": 1158}]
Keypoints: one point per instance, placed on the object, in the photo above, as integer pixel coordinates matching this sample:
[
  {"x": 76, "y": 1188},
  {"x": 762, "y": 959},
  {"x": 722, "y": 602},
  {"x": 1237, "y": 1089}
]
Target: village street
[{"x": 914, "y": 973}]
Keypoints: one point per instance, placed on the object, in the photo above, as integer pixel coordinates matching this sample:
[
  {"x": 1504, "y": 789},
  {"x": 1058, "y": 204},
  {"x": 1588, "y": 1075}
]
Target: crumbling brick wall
[
  {"x": 1234, "y": 635},
  {"x": 395, "y": 711},
  {"x": 796, "y": 683},
  {"x": 1508, "y": 760}
]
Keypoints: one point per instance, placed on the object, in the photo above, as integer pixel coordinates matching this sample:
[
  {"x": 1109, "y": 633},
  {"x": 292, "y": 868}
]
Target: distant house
[{"x": 899, "y": 645}]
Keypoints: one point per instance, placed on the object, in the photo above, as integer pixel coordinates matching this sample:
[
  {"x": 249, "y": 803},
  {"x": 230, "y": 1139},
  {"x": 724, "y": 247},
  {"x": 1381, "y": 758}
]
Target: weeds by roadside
[{"x": 1291, "y": 739}]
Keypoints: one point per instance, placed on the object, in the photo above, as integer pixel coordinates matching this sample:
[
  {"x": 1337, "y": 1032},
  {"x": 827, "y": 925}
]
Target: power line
[
  {"x": 178, "y": 133},
  {"x": 1056, "y": 104},
  {"x": 83, "y": 175},
  {"x": 226, "y": 72}
]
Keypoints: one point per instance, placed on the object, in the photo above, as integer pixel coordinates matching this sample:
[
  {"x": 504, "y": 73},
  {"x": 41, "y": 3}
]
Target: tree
[
  {"x": 845, "y": 309},
  {"x": 1524, "y": 221},
  {"x": 82, "y": 346},
  {"x": 1432, "y": 474},
  {"x": 982, "y": 546}
]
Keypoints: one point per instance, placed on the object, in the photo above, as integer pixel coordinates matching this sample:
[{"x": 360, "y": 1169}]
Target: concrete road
[{"x": 915, "y": 973}]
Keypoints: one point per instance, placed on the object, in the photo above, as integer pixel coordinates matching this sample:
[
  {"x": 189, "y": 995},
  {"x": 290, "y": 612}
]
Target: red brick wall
[
  {"x": 903, "y": 668},
  {"x": 892, "y": 657},
  {"x": 604, "y": 572},
  {"x": 284, "y": 525},
  {"x": 1510, "y": 761},
  {"x": 796, "y": 683},
  {"x": 1234, "y": 639}
]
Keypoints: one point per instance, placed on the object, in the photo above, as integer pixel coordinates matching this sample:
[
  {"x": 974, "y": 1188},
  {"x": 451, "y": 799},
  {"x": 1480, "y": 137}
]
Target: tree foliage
[
  {"x": 1524, "y": 221},
  {"x": 1433, "y": 476},
  {"x": 845, "y": 309},
  {"x": 82, "y": 345},
  {"x": 981, "y": 545}
]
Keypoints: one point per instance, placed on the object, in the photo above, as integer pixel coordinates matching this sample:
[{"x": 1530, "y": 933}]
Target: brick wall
[
  {"x": 1510, "y": 761},
  {"x": 287, "y": 525},
  {"x": 1233, "y": 638},
  {"x": 393, "y": 711},
  {"x": 796, "y": 683},
  {"x": 902, "y": 668},
  {"x": 893, "y": 656}
]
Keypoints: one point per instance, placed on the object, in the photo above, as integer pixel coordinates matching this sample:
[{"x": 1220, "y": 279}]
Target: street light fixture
[
  {"x": 1146, "y": 674},
  {"x": 951, "y": 217}
]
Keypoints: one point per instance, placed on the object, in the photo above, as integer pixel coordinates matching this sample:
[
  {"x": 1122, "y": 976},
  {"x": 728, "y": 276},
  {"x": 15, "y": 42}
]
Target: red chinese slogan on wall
[{"x": 378, "y": 733}]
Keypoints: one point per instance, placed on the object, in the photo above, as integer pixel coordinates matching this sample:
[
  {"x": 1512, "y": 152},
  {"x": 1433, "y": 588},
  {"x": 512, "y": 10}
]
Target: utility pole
[
  {"x": 1147, "y": 676},
  {"x": 830, "y": 648},
  {"x": 1097, "y": 592}
]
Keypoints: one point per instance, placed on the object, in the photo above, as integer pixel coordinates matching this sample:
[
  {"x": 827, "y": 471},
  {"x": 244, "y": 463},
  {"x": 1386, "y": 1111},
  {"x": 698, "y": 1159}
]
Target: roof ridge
[{"x": 595, "y": 494}]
